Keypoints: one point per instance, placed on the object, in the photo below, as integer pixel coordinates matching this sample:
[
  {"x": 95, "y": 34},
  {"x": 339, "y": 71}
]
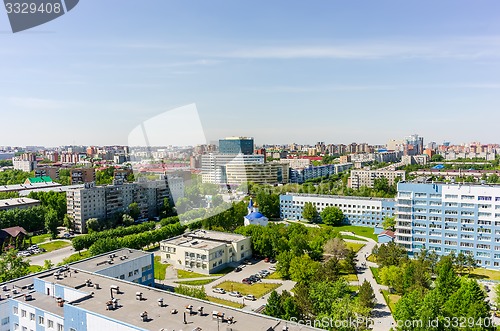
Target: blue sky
[{"x": 281, "y": 71}]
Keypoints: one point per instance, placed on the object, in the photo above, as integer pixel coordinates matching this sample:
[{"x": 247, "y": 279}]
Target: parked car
[
  {"x": 247, "y": 262},
  {"x": 238, "y": 269},
  {"x": 235, "y": 294},
  {"x": 273, "y": 268},
  {"x": 219, "y": 290},
  {"x": 66, "y": 235},
  {"x": 246, "y": 281},
  {"x": 267, "y": 259},
  {"x": 249, "y": 297},
  {"x": 264, "y": 272},
  {"x": 272, "y": 260}
]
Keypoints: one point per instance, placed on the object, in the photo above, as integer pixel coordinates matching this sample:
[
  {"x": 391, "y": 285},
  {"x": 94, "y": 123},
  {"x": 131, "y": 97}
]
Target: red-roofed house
[{"x": 386, "y": 236}]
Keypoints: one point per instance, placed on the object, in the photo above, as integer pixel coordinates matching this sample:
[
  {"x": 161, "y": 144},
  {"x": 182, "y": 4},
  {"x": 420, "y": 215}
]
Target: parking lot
[{"x": 246, "y": 272}]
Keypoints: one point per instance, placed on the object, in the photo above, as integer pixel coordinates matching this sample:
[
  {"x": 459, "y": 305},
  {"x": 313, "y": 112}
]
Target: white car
[
  {"x": 249, "y": 297},
  {"x": 219, "y": 290},
  {"x": 235, "y": 294},
  {"x": 273, "y": 268}
]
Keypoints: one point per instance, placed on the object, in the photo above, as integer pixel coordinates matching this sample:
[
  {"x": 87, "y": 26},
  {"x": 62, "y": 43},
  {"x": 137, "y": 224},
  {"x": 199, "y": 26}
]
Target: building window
[
  {"x": 23, "y": 313},
  {"x": 32, "y": 317},
  {"x": 60, "y": 327},
  {"x": 5, "y": 321},
  {"x": 40, "y": 320},
  {"x": 50, "y": 324},
  {"x": 15, "y": 310}
]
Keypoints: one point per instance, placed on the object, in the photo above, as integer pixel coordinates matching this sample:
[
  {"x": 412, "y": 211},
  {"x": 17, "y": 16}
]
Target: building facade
[
  {"x": 206, "y": 251},
  {"x": 213, "y": 166},
  {"x": 236, "y": 145},
  {"x": 311, "y": 172},
  {"x": 263, "y": 173},
  {"x": 449, "y": 218},
  {"x": 18, "y": 203},
  {"x": 105, "y": 202},
  {"x": 367, "y": 178},
  {"x": 357, "y": 210}
]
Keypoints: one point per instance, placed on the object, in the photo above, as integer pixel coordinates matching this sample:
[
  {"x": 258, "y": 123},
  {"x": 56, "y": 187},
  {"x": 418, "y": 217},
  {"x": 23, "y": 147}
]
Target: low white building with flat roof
[
  {"x": 19, "y": 203},
  {"x": 205, "y": 251}
]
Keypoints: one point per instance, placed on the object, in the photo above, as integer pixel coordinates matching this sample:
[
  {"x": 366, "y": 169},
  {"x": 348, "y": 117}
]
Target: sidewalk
[{"x": 381, "y": 314}]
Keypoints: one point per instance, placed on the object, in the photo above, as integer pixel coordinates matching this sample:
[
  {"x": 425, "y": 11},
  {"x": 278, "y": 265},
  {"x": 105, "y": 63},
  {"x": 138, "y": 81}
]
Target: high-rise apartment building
[
  {"x": 105, "y": 202},
  {"x": 236, "y": 145},
  {"x": 367, "y": 178},
  {"x": 447, "y": 218},
  {"x": 213, "y": 166}
]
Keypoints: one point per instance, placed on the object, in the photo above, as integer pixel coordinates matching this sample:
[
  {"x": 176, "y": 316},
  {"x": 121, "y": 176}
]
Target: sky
[{"x": 280, "y": 71}]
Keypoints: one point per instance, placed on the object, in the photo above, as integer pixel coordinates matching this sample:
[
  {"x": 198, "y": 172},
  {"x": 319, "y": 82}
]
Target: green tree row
[
  {"x": 136, "y": 241},
  {"x": 87, "y": 240},
  {"x": 11, "y": 177}
]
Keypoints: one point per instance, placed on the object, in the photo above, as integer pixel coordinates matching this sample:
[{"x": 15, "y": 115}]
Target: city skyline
[{"x": 281, "y": 72}]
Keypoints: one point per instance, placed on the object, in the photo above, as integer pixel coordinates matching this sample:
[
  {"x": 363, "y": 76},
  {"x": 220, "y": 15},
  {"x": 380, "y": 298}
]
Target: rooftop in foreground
[{"x": 129, "y": 308}]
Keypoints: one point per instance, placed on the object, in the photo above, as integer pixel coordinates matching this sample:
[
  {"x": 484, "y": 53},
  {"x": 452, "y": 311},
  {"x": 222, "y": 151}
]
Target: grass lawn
[
  {"x": 375, "y": 274},
  {"x": 372, "y": 258},
  {"x": 346, "y": 236},
  {"x": 39, "y": 239},
  {"x": 351, "y": 277},
  {"x": 75, "y": 257},
  {"x": 196, "y": 282},
  {"x": 358, "y": 230},
  {"x": 355, "y": 246},
  {"x": 190, "y": 274},
  {"x": 225, "y": 302},
  {"x": 274, "y": 275},
  {"x": 257, "y": 289},
  {"x": 391, "y": 299},
  {"x": 54, "y": 245},
  {"x": 160, "y": 268},
  {"x": 35, "y": 268},
  {"x": 481, "y": 273}
]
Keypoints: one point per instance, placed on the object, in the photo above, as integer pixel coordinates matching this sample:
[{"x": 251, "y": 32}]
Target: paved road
[
  {"x": 54, "y": 256},
  {"x": 382, "y": 318}
]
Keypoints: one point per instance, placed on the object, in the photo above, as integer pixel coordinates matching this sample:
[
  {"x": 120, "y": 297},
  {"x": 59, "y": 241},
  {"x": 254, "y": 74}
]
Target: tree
[
  {"x": 366, "y": 296},
  {"x": 51, "y": 223},
  {"x": 217, "y": 200},
  {"x": 92, "y": 225},
  {"x": 303, "y": 268},
  {"x": 127, "y": 220},
  {"x": 389, "y": 223},
  {"x": 273, "y": 305},
  {"x": 68, "y": 222},
  {"x": 310, "y": 212},
  {"x": 269, "y": 204},
  {"x": 497, "y": 295},
  {"x": 437, "y": 158},
  {"x": 47, "y": 264},
  {"x": 350, "y": 261},
  {"x": 12, "y": 266},
  {"x": 332, "y": 216},
  {"x": 133, "y": 210},
  {"x": 336, "y": 247},
  {"x": 390, "y": 254}
]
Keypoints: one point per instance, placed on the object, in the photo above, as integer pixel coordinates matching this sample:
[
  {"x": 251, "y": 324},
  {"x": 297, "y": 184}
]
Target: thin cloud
[
  {"x": 450, "y": 48},
  {"x": 30, "y": 103}
]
